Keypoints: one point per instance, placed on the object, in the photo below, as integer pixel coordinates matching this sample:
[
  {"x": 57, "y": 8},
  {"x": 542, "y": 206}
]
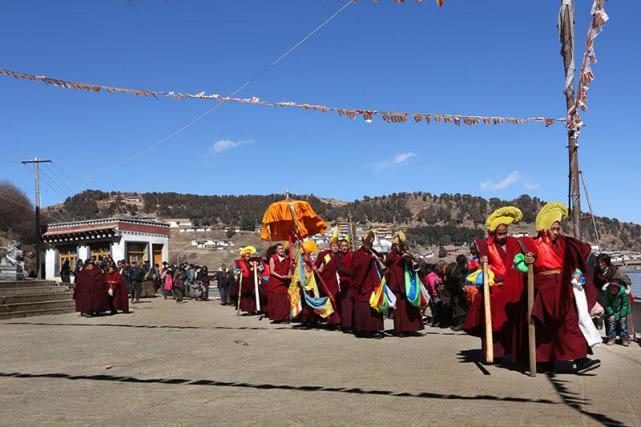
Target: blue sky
[{"x": 469, "y": 57}]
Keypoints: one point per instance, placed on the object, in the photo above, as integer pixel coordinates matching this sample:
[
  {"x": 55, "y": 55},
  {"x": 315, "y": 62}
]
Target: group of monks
[
  {"x": 349, "y": 277},
  {"x": 561, "y": 304},
  {"x": 97, "y": 292}
]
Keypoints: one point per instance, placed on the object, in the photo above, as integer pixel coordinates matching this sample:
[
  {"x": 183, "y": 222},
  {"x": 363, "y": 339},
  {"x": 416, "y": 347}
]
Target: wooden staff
[
  {"x": 256, "y": 285},
  {"x": 240, "y": 288},
  {"x": 531, "y": 331},
  {"x": 489, "y": 341}
]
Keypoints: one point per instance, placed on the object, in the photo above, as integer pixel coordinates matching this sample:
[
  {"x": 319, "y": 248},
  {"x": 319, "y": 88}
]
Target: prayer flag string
[
  {"x": 367, "y": 114},
  {"x": 599, "y": 18}
]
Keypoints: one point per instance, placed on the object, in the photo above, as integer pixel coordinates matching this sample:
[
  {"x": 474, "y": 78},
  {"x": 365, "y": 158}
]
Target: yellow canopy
[{"x": 280, "y": 224}]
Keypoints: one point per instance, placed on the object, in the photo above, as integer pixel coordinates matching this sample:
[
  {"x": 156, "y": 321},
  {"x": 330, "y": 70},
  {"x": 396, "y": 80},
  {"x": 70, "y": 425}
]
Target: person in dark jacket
[
  {"x": 224, "y": 277},
  {"x": 202, "y": 277},
  {"x": 65, "y": 272},
  {"x": 136, "y": 277},
  {"x": 179, "y": 284}
]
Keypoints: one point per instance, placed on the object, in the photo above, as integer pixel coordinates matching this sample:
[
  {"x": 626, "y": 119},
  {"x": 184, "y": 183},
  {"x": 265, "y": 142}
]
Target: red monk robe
[
  {"x": 118, "y": 300},
  {"x": 277, "y": 287},
  {"x": 558, "y": 336},
  {"x": 407, "y": 318},
  {"x": 89, "y": 292},
  {"x": 346, "y": 305},
  {"x": 247, "y": 290},
  {"x": 364, "y": 279},
  {"x": 328, "y": 262},
  {"x": 505, "y": 299}
]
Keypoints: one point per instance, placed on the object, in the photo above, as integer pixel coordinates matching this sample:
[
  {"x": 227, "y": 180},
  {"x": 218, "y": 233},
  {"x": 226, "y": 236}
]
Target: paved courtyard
[{"x": 200, "y": 364}]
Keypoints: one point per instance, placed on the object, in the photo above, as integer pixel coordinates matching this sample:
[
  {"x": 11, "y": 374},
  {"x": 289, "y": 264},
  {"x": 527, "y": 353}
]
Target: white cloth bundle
[{"x": 589, "y": 331}]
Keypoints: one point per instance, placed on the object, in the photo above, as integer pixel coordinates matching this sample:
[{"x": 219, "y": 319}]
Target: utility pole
[
  {"x": 566, "y": 29},
  {"x": 36, "y": 163}
]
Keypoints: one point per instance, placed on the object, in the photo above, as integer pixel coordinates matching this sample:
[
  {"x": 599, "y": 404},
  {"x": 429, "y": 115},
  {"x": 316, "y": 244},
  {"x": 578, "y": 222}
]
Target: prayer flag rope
[
  {"x": 352, "y": 113},
  {"x": 599, "y": 18},
  {"x": 438, "y": 2}
]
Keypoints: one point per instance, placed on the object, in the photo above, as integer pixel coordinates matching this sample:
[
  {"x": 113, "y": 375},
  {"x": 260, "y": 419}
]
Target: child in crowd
[{"x": 616, "y": 304}]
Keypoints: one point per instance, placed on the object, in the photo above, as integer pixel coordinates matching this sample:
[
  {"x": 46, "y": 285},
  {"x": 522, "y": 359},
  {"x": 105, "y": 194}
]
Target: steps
[{"x": 34, "y": 298}]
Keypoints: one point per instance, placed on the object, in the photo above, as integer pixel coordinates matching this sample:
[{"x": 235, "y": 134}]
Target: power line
[
  {"x": 215, "y": 107},
  {"x": 62, "y": 172},
  {"x": 61, "y": 185},
  {"x": 36, "y": 167}
]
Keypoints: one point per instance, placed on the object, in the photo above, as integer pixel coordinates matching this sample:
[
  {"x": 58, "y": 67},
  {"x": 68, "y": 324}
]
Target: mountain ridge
[{"x": 417, "y": 210}]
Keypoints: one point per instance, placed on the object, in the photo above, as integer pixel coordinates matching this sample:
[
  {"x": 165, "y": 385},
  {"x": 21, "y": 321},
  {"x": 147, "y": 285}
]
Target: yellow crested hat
[
  {"x": 309, "y": 246},
  {"x": 334, "y": 238},
  {"x": 370, "y": 236},
  {"x": 549, "y": 214},
  {"x": 506, "y": 215},
  {"x": 399, "y": 238},
  {"x": 247, "y": 250}
]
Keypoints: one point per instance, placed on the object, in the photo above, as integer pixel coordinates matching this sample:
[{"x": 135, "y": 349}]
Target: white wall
[
  {"x": 83, "y": 252},
  {"x": 118, "y": 249},
  {"x": 150, "y": 240},
  {"x": 50, "y": 264}
]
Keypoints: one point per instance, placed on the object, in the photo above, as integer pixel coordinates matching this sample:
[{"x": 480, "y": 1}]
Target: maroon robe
[
  {"x": 407, "y": 318},
  {"x": 558, "y": 336},
  {"x": 330, "y": 261},
  {"x": 364, "y": 279},
  {"x": 505, "y": 299},
  {"x": 346, "y": 306},
  {"x": 120, "y": 298},
  {"x": 277, "y": 290},
  {"x": 247, "y": 290},
  {"x": 89, "y": 292}
]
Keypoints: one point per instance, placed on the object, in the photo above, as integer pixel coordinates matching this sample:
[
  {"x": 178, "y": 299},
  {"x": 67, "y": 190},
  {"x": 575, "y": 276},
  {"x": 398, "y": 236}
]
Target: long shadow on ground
[
  {"x": 569, "y": 397},
  {"x": 122, "y": 325},
  {"x": 307, "y": 388}
]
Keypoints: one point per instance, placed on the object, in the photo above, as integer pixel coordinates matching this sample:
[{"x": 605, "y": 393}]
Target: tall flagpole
[{"x": 566, "y": 29}]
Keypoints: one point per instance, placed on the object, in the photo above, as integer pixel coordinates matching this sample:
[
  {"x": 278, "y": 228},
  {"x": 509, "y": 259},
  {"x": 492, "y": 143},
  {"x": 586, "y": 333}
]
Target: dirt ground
[{"x": 199, "y": 364}]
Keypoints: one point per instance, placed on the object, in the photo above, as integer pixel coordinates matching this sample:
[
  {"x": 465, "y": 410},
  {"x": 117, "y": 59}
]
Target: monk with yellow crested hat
[
  {"x": 564, "y": 329},
  {"x": 498, "y": 251},
  {"x": 366, "y": 321},
  {"x": 246, "y": 266},
  {"x": 408, "y": 319},
  {"x": 327, "y": 264}
]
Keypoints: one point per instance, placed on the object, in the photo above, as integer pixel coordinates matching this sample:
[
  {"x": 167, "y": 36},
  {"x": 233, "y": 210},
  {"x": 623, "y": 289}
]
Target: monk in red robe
[
  {"x": 278, "y": 285},
  {"x": 327, "y": 267},
  {"x": 89, "y": 292},
  {"x": 498, "y": 251},
  {"x": 407, "y": 318},
  {"x": 555, "y": 258},
  {"x": 367, "y": 321},
  {"x": 246, "y": 264},
  {"x": 343, "y": 267},
  {"x": 116, "y": 290}
]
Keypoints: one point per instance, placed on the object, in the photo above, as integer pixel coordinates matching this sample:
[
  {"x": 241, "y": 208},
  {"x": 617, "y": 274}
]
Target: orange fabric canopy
[{"x": 278, "y": 223}]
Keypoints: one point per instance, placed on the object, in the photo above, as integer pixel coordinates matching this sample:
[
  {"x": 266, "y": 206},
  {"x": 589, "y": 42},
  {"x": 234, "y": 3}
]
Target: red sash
[
  {"x": 547, "y": 258},
  {"x": 495, "y": 259}
]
